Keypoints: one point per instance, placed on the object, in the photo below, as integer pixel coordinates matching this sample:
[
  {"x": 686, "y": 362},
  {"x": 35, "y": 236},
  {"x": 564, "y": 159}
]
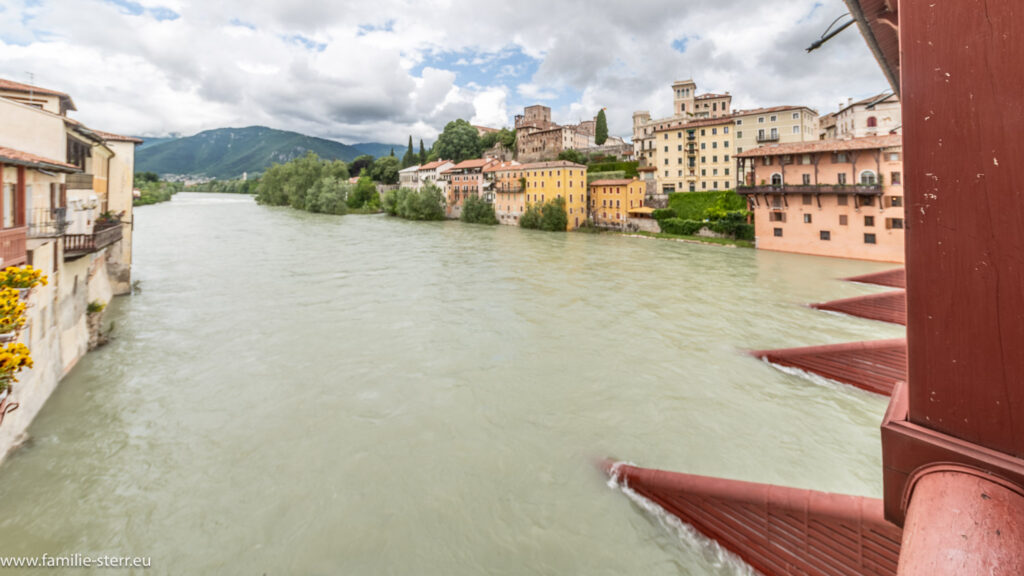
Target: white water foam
[
  {"x": 712, "y": 551},
  {"x": 818, "y": 379}
]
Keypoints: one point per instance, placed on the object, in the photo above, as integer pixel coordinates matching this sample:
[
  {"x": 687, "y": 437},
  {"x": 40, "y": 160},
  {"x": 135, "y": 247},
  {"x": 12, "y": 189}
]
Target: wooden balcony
[
  {"x": 79, "y": 181},
  {"x": 78, "y": 245},
  {"x": 868, "y": 189},
  {"x": 12, "y": 246}
]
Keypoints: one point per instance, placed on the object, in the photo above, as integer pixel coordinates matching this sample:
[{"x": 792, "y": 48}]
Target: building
[
  {"x": 611, "y": 201},
  {"x": 544, "y": 181},
  {"x": 66, "y": 205},
  {"x": 409, "y": 177},
  {"x": 687, "y": 106},
  {"x": 431, "y": 172},
  {"x": 507, "y": 185},
  {"x": 839, "y": 198},
  {"x": 775, "y": 125},
  {"x": 880, "y": 114},
  {"x": 539, "y": 139},
  {"x": 463, "y": 180},
  {"x": 695, "y": 155}
]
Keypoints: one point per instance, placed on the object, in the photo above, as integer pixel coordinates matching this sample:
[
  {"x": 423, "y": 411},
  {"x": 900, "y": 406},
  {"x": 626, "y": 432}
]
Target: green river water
[{"x": 296, "y": 394}]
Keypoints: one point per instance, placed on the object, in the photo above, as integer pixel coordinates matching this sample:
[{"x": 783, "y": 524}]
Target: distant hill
[
  {"x": 377, "y": 149},
  {"x": 148, "y": 142},
  {"x": 228, "y": 152}
]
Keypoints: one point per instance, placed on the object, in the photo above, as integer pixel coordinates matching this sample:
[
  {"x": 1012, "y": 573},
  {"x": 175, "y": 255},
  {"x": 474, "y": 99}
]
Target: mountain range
[{"x": 230, "y": 152}]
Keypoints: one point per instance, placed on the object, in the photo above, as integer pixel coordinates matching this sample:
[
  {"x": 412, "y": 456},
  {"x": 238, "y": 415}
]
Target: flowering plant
[
  {"x": 21, "y": 278},
  {"x": 12, "y": 311},
  {"x": 14, "y": 358}
]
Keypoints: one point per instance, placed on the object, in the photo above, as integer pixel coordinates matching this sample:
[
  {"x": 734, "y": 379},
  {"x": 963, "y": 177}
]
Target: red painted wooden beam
[
  {"x": 875, "y": 366},
  {"x": 775, "y": 529},
  {"x": 886, "y": 307},
  {"x": 896, "y": 278}
]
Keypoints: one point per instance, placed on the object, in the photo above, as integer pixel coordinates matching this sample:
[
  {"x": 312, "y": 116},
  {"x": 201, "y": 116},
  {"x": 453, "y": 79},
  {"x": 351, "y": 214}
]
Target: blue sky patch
[{"x": 307, "y": 43}]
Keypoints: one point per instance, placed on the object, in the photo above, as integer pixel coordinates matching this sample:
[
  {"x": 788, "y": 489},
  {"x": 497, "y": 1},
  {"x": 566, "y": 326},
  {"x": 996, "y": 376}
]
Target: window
[
  {"x": 739, "y": 134},
  {"x": 867, "y": 178},
  {"x": 666, "y": 148},
  {"x": 869, "y": 220},
  {"x": 774, "y": 118},
  {"x": 842, "y": 200},
  {"x": 714, "y": 158},
  {"x": 895, "y": 178},
  {"x": 714, "y": 171},
  {"x": 10, "y": 207},
  {"x": 714, "y": 131},
  {"x": 703, "y": 132},
  {"x": 726, "y": 171},
  {"x": 869, "y": 239},
  {"x": 872, "y": 122},
  {"x": 679, "y": 148},
  {"x": 894, "y": 223},
  {"x": 666, "y": 164},
  {"x": 679, "y": 160},
  {"x": 893, "y": 156},
  {"x": 807, "y": 181},
  {"x": 796, "y": 129},
  {"x": 703, "y": 159},
  {"x": 807, "y": 218},
  {"x": 704, "y": 185},
  {"x": 796, "y": 115},
  {"x": 825, "y": 235},
  {"x": 777, "y": 232},
  {"x": 842, "y": 179},
  {"x": 725, "y": 144},
  {"x": 805, "y": 159},
  {"x": 767, "y": 161},
  {"x": 703, "y": 145},
  {"x": 703, "y": 172},
  {"x": 680, "y": 175},
  {"x": 843, "y": 220},
  {"x": 679, "y": 135},
  {"x": 866, "y": 201},
  {"x": 760, "y": 119},
  {"x": 806, "y": 198},
  {"x": 725, "y": 130},
  {"x": 739, "y": 122},
  {"x": 775, "y": 133},
  {"x": 726, "y": 158},
  {"x": 776, "y": 179},
  {"x": 895, "y": 201}
]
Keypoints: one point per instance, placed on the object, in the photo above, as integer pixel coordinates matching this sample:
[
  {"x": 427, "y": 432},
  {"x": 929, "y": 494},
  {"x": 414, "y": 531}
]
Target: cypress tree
[
  {"x": 601, "y": 130},
  {"x": 423, "y": 153}
]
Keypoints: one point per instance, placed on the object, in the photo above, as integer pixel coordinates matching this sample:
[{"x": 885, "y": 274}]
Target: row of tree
[{"x": 309, "y": 183}]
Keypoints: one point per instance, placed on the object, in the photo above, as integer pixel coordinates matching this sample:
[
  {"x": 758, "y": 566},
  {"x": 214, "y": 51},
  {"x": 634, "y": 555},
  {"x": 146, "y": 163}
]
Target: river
[{"x": 302, "y": 394}]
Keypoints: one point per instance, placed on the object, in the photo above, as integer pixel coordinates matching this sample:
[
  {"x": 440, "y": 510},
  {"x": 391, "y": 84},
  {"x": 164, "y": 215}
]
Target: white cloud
[{"x": 244, "y": 62}]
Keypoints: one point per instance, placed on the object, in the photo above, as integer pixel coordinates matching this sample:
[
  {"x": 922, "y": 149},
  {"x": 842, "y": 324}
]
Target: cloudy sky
[{"x": 378, "y": 71}]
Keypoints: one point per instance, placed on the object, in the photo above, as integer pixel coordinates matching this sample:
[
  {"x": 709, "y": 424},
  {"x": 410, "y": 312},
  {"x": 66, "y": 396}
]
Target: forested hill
[{"x": 229, "y": 152}]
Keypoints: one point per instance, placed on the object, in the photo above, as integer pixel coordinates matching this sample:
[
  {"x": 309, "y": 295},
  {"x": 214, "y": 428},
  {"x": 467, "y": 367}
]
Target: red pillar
[{"x": 953, "y": 440}]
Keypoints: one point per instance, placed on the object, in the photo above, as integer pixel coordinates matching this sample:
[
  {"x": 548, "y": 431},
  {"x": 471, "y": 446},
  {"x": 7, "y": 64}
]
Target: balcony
[
  {"x": 12, "y": 246},
  {"x": 79, "y": 181},
  {"x": 761, "y": 138},
  {"x": 866, "y": 189},
  {"x": 78, "y": 245},
  {"x": 47, "y": 223}
]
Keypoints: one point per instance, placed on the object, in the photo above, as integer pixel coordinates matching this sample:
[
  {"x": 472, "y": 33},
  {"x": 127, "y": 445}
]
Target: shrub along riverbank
[
  {"x": 721, "y": 212},
  {"x": 427, "y": 203},
  {"x": 315, "y": 185},
  {"x": 478, "y": 211},
  {"x": 152, "y": 190}
]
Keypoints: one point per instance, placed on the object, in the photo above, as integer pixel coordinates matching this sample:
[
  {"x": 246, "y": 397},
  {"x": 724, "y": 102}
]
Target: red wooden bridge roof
[
  {"x": 886, "y": 307},
  {"x": 873, "y": 366},
  {"x": 896, "y": 278}
]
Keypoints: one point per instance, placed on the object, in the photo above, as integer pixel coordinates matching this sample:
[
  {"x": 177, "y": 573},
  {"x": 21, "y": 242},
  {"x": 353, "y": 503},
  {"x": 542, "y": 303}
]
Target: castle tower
[{"x": 683, "y": 92}]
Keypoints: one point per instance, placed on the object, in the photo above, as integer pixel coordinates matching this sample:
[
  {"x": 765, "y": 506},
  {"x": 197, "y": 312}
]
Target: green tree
[
  {"x": 571, "y": 155},
  {"x": 488, "y": 140},
  {"x": 459, "y": 141},
  {"x": 392, "y": 151},
  {"x": 364, "y": 195},
  {"x": 144, "y": 177},
  {"x": 601, "y": 130},
  {"x": 386, "y": 170},
  {"x": 329, "y": 196},
  {"x": 410, "y": 157},
  {"x": 423, "y": 153},
  {"x": 553, "y": 216},
  {"x": 362, "y": 162},
  {"x": 508, "y": 139},
  {"x": 478, "y": 211}
]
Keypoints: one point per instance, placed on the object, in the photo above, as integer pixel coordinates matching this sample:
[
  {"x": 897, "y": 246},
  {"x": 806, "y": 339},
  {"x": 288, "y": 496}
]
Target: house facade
[
  {"x": 695, "y": 155},
  {"x": 546, "y": 181},
  {"x": 874, "y": 116},
  {"x": 775, "y": 125},
  {"x": 611, "y": 201},
  {"x": 465, "y": 179},
  {"x": 841, "y": 198}
]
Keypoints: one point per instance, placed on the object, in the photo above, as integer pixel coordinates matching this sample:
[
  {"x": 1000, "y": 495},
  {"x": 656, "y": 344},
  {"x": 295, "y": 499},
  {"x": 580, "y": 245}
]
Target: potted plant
[
  {"x": 12, "y": 314},
  {"x": 13, "y": 359},
  {"x": 22, "y": 279}
]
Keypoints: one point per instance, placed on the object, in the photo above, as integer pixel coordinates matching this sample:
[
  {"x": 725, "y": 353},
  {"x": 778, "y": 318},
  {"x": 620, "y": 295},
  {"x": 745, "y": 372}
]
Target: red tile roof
[
  {"x": 472, "y": 164},
  {"x": 117, "y": 137},
  {"x": 879, "y": 24},
  {"x": 552, "y": 164},
  {"x": 770, "y": 110},
  {"x": 680, "y": 125},
  {"x": 19, "y": 158},
  {"x": 434, "y": 165},
  {"x": 620, "y": 182},
  {"x": 13, "y": 86},
  {"x": 502, "y": 166},
  {"x": 866, "y": 143}
]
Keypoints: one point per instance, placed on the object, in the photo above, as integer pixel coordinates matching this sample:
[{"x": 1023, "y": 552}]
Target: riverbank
[{"x": 711, "y": 241}]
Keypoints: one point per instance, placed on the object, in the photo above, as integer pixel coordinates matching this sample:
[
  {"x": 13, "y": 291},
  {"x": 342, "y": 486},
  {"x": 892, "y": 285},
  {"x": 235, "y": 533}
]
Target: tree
[
  {"x": 488, "y": 140},
  {"x": 508, "y": 139},
  {"x": 362, "y": 162},
  {"x": 601, "y": 130},
  {"x": 478, "y": 211},
  {"x": 145, "y": 177},
  {"x": 410, "y": 157},
  {"x": 386, "y": 170},
  {"x": 459, "y": 141},
  {"x": 365, "y": 194},
  {"x": 392, "y": 151},
  {"x": 571, "y": 155},
  {"x": 423, "y": 153},
  {"x": 328, "y": 196}
]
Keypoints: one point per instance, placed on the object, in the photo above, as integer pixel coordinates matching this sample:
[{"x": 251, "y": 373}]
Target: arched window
[
  {"x": 872, "y": 122},
  {"x": 776, "y": 179},
  {"x": 868, "y": 178}
]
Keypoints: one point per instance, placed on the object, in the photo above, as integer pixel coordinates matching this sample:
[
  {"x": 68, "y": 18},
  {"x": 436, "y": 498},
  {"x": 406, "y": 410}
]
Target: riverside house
[
  {"x": 559, "y": 179},
  {"x": 67, "y": 210},
  {"x": 506, "y": 183},
  {"x": 611, "y": 201},
  {"x": 839, "y": 198},
  {"x": 465, "y": 179}
]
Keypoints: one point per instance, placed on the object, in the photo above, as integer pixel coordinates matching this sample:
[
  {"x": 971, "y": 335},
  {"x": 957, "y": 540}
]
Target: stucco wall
[{"x": 31, "y": 130}]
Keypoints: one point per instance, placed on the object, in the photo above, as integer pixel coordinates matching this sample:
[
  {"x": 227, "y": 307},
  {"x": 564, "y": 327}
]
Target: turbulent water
[{"x": 311, "y": 395}]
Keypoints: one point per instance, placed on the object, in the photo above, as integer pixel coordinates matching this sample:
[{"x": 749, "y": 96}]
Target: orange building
[
  {"x": 840, "y": 198},
  {"x": 465, "y": 179},
  {"x": 612, "y": 200},
  {"x": 503, "y": 189},
  {"x": 546, "y": 181}
]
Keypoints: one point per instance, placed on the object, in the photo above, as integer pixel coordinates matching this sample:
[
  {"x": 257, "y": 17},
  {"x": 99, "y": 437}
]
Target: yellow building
[
  {"x": 546, "y": 181},
  {"x": 694, "y": 156},
  {"x": 611, "y": 201}
]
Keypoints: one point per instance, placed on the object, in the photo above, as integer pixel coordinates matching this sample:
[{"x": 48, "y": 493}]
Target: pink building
[
  {"x": 841, "y": 198},
  {"x": 465, "y": 179}
]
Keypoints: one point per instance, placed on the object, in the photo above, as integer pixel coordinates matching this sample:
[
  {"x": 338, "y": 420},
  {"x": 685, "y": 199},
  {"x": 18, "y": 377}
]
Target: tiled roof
[
  {"x": 19, "y": 158},
  {"x": 110, "y": 136},
  {"x": 485, "y": 129},
  {"x": 434, "y": 165},
  {"x": 866, "y": 143},
  {"x": 710, "y": 95},
  {"x": 679, "y": 124},
  {"x": 409, "y": 169},
  {"x": 13, "y": 86},
  {"x": 877, "y": 98},
  {"x": 619, "y": 182},
  {"x": 502, "y": 166},
  {"x": 770, "y": 110},
  {"x": 472, "y": 163},
  {"x": 552, "y": 164}
]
